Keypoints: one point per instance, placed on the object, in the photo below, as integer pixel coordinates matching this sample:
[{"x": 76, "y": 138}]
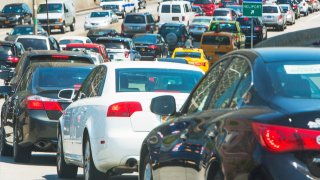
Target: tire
[
  {"x": 124, "y": 14},
  {"x": 90, "y": 171},
  {"x": 146, "y": 170},
  {"x": 5, "y": 149},
  {"x": 72, "y": 26},
  {"x": 172, "y": 39},
  {"x": 20, "y": 154},
  {"x": 22, "y": 21},
  {"x": 63, "y": 28},
  {"x": 64, "y": 170}
]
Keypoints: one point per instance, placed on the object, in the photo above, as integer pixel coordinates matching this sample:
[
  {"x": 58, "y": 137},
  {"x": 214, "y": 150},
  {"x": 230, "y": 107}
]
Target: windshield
[
  {"x": 246, "y": 21},
  {"x": 270, "y": 9},
  {"x": 100, "y": 32},
  {"x": 201, "y": 21},
  {"x": 148, "y": 39},
  {"x": 284, "y": 8},
  {"x": 35, "y": 44},
  {"x": 156, "y": 80},
  {"x": 188, "y": 54},
  {"x": 216, "y": 40},
  {"x": 299, "y": 80},
  {"x": 68, "y": 41},
  {"x": 114, "y": 44},
  {"x": 5, "y": 51},
  {"x": 12, "y": 9},
  {"x": 225, "y": 27},
  {"x": 99, "y": 14},
  {"x": 55, "y": 77},
  {"x": 137, "y": 19},
  {"x": 52, "y": 8}
]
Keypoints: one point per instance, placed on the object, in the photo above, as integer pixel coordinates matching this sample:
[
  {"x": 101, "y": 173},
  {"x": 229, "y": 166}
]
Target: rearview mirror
[
  {"x": 163, "y": 105},
  {"x": 5, "y": 90},
  {"x": 67, "y": 94}
]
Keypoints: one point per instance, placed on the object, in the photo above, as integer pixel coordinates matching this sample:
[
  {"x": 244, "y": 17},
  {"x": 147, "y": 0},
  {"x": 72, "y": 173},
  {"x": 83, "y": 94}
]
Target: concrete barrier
[
  {"x": 303, "y": 38},
  {"x": 80, "y": 4}
]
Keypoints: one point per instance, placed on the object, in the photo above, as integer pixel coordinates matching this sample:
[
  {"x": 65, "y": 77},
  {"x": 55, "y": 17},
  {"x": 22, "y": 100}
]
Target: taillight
[
  {"x": 295, "y": 6},
  {"x": 126, "y": 54},
  {"x": 183, "y": 18},
  {"x": 199, "y": 64},
  {"x": 42, "y": 103},
  {"x": 123, "y": 109},
  {"x": 13, "y": 59},
  {"x": 257, "y": 28},
  {"x": 60, "y": 57},
  {"x": 280, "y": 17},
  {"x": 183, "y": 38},
  {"x": 304, "y": 4},
  {"x": 281, "y": 139},
  {"x": 153, "y": 47}
]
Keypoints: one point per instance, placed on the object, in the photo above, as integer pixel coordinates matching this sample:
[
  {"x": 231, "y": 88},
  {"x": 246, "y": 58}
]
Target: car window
[
  {"x": 20, "y": 49},
  {"x": 86, "y": 88},
  {"x": 53, "y": 44},
  {"x": 88, "y": 41},
  {"x": 22, "y": 30},
  {"x": 12, "y": 8},
  {"x": 5, "y": 51},
  {"x": 186, "y": 8},
  {"x": 188, "y": 54},
  {"x": 150, "y": 19},
  {"x": 270, "y": 9},
  {"x": 176, "y": 9},
  {"x": 202, "y": 2},
  {"x": 137, "y": 19},
  {"x": 96, "y": 86},
  {"x": 220, "y": 13},
  {"x": 199, "y": 97},
  {"x": 99, "y": 14},
  {"x": 204, "y": 21},
  {"x": 145, "y": 39},
  {"x": 165, "y": 9},
  {"x": 228, "y": 83},
  {"x": 24, "y": 81},
  {"x": 216, "y": 40},
  {"x": 225, "y": 27},
  {"x": 52, "y": 8},
  {"x": 36, "y": 44},
  {"x": 243, "y": 88},
  {"x": 114, "y": 44}
]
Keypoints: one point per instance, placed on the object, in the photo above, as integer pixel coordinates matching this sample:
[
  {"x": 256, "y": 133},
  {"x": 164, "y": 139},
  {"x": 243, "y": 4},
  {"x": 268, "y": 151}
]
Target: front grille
[
  {"x": 110, "y": 7},
  {"x": 51, "y": 21}
]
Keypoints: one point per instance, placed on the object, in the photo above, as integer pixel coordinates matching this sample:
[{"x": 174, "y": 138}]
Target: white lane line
[{"x": 314, "y": 17}]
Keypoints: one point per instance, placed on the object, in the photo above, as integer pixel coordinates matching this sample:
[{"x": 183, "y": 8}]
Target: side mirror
[
  {"x": 67, "y": 94},
  {"x": 163, "y": 105},
  {"x": 5, "y": 90}
]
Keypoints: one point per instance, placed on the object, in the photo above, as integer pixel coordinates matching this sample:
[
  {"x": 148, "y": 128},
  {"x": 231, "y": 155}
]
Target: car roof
[
  {"x": 32, "y": 37},
  {"x": 150, "y": 64}
]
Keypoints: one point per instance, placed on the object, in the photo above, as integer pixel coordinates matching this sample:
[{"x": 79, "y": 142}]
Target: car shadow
[{"x": 36, "y": 160}]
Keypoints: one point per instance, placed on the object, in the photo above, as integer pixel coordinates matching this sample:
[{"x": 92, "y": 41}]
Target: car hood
[
  {"x": 51, "y": 16},
  {"x": 97, "y": 20}
]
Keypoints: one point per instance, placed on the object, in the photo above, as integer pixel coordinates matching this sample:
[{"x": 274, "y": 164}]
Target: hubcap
[
  {"x": 148, "y": 172},
  {"x": 87, "y": 162}
]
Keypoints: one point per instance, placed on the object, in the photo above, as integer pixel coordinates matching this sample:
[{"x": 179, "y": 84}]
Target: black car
[
  {"x": 175, "y": 34},
  {"x": 15, "y": 13},
  {"x": 10, "y": 54},
  {"x": 37, "y": 107},
  {"x": 260, "y": 31},
  {"x": 294, "y": 5},
  {"x": 254, "y": 115},
  {"x": 94, "y": 34},
  {"x": 24, "y": 30},
  {"x": 150, "y": 46}
]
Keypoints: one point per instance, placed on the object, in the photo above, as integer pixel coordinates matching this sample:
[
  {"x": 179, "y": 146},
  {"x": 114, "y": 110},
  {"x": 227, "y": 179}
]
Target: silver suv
[
  {"x": 274, "y": 16},
  {"x": 138, "y": 23}
]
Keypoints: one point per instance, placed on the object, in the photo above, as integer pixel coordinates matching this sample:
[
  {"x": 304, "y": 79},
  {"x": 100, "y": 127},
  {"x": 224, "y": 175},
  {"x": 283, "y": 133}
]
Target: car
[
  {"x": 253, "y": 115},
  {"x": 98, "y": 48},
  {"x": 61, "y": 13},
  {"x": 304, "y": 7},
  {"x": 10, "y": 54},
  {"x": 173, "y": 60},
  {"x": 63, "y": 41},
  {"x": 96, "y": 57},
  {"x": 274, "y": 16},
  {"x": 15, "y": 13},
  {"x": 312, "y": 6},
  {"x": 33, "y": 124},
  {"x": 24, "y": 30},
  {"x": 175, "y": 34},
  {"x": 291, "y": 17},
  {"x": 224, "y": 14},
  {"x": 294, "y": 5},
  {"x": 138, "y": 23},
  {"x": 116, "y": 96},
  {"x": 142, "y": 4},
  {"x": 231, "y": 27},
  {"x": 237, "y": 8},
  {"x": 120, "y": 7},
  {"x": 260, "y": 31},
  {"x": 224, "y": 3},
  {"x": 100, "y": 19},
  {"x": 199, "y": 25},
  {"x": 198, "y": 11},
  {"x": 120, "y": 48},
  {"x": 208, "y": 6},
  {"x": 194, "y": 56},
  {"x": 150, "y": 46},
  {"x": 93, "y": 34},
  {"x": 38, "y": 42}
]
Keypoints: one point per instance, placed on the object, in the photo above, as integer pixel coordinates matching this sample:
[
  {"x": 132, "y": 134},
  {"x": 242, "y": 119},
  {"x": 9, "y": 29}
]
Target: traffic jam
[{"x": 178, "y": 96}]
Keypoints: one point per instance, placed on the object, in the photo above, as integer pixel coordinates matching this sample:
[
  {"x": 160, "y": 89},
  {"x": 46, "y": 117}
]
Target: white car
[
  {"x": 304, "y": 7},
  {"x": 38, "y": 42},
  {"x": 120, "y": 7},
  {"x": 73, "y": 39},
  {"x": 103, "y": 129},
  {"x": 100, "y": 19},
  {"x": 96, "y": 57},
  {"x": 199, "y": 25}
]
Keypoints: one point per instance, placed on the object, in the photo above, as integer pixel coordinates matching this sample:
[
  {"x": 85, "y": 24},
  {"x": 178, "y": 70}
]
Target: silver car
[
  {"x": 226, "y": 14},
  {"x": 274, "y": 16},
  {"x": 138, "y": 23},
  {"x": 199, "y": 25},
  {"x": 291, "y": 17}
]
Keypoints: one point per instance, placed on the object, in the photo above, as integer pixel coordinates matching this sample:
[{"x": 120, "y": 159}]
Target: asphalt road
[{"x": 42, "y": 165}]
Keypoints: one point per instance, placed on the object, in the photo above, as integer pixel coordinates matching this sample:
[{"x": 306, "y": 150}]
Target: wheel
[
  {"x": 89, "y": 170},
  {"x": 63, "y": 28},
  {"x": 5, "y": 149},
  {"x": 146, "y": 170},
  {"x": 64, "y": 170},
  {"x": 20, "y": 154},
  {"x": 124, "y": 14},
  {"x": 72, "y": 26},
  {"x": 22, "y": 21}
]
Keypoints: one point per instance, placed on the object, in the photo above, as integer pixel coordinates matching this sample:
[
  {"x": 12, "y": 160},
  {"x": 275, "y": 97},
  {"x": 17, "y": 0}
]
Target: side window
[
  {"x": 53, "y": 44},
  {"x": 165, "y": 8},
  {"x": 24, "y": 81},
  {"x": 85, "y": 90},
  {"x": 150, "y": 19},
  {"x": 186, "y": 8},
  {"x": 242, "y": 89},
  {"x": 93, "y": 85},
  {"x": 228, "y": 83},
  {"x": 199, "y": 97}
]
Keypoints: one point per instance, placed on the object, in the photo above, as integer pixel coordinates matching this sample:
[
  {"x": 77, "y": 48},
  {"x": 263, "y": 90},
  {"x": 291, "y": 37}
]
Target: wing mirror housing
[
  {"x": 67, "y": 94},
  {"x": 163, "y": 105}
]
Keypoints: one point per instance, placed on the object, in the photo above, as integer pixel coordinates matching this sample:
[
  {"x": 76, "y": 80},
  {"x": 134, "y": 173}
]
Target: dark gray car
[{"x": 138, "y": 23}]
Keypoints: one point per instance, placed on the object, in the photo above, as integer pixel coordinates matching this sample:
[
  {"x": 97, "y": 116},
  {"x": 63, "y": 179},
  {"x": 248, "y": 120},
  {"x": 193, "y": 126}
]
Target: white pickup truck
[{"x": 120, "y": 7}]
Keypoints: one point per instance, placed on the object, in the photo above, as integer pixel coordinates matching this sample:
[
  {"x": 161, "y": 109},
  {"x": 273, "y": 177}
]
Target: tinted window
[
  {"x": 284, "y": 8},
  {"x": 6, "y": 51},
  {"x": 150, "y": 19},
  {"x": 220, "y": 13},
  {"x": 204, "y": 21},
  {"x": 156, "y": 80},
  {"x": 225, "y": 27},
  {"x": 176, "y": 9},
  {"x": 99, "y": 14},
  {"x": 145, "y": 39},
  {"x": 114, "y": 44},
  {"x": 52, "y": 8},
  {"x": 60, "y": 58},
  {"x": 138, "y": 19},
  {"x": 100, "y": 32},
  {"x": 36, "y": 44},
  {"x": 270, "y": 9},
  {"x": 93, "y": 85},
  {"x": 188, "y": 54},
  {"x": 216, "y": 40},
  {"x": 12, "y": 9},
  {"x": 168, "y": 29},
  {"x": 243, "y": 87},
  {"x": 55, "y": 77},
  {"x": 93, "y": 49},
  {"x": 246, "y": 21},
  {"x": 202, "y": 2},
  {"x": 165, "y": 9}
]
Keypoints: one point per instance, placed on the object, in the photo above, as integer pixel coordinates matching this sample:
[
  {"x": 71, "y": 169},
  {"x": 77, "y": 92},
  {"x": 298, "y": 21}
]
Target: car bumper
[
  {"x": 8, "y": 22},
  {"x": 88, "y": 26},
  {"x": 51, "y": 26},
  {"x": 272, "y": 24}
]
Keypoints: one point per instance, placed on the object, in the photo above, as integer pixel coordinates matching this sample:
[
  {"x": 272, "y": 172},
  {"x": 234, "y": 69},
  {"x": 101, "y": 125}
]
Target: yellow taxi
[{"x": 194, "y": 56}]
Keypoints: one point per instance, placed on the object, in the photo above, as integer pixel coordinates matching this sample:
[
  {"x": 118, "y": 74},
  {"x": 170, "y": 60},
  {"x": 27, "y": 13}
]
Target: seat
[{"x": 296, "y": 87}]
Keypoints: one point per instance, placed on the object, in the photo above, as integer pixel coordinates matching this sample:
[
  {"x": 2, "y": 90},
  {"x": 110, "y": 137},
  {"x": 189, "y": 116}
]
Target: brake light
[
  {"x": 199, "y": 64},
  {"x": 197, "y": 15},
  {"x": 13, "y": 59},
  {"x": 304, "y": 4},
  {"x": 153, "y": 47},
  {"x": 257, "y": 28},
  {"x": 123, "y": 109},
  {"x": 126, "y": 54},
  {"x": 280, "y": 17},
  {"x": 42, "y": 103},
  {"x": 295, "y": 6},
  {"x": 279, "y": 139},
  {"x": 60, "y": 57},
  {"x": 183, "y": 18}
]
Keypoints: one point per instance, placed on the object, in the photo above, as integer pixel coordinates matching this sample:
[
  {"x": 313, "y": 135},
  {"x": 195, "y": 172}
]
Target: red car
[
  {"x": 207, "y": 6},
  {"x": 98, "y": 48}
]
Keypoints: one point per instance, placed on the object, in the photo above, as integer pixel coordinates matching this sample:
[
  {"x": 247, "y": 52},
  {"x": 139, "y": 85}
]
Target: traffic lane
[{"x": 41, "y": 166}]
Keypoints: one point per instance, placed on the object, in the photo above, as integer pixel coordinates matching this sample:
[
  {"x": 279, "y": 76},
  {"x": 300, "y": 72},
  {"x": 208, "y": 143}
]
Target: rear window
[
  {"x": 187, "y": 54},
  {"x": 165, "y": 9},
  {"x": 145, "y": 39},
  {"x": 46, "y": 78},
  {"x": 216, "y": 40},
  {"x": 176, "y": 9},
  {"x": 99, "y": 14},
  {"x": 270, "y": 9},
  {"x": 60, "y": 58},
  {"x": 156, "y": 80},
  {"x": 137, "y": 19},
  {"x": 6, "y": 51},
  {"x": 68, "y": 41},
  {"x": 246, "y": 21},
  {"x": 35, "y": 44},
  {"x": 92, "y": 49},
  {"x": 202, "y": 2},
  {"x": 225, "y": 27},
  {"x": 100, "y": 32},
  {"x": 203, "y": 21},
  {"x": 220, "y": 13},
  {"x": 114, "y": 44},
  {"x": 169, "y": 29},
  {"x": 284, "y": 8}
]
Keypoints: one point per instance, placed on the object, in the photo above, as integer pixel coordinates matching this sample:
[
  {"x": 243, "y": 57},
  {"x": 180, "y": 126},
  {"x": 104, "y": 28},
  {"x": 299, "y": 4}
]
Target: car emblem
[
  {"x": 314, "y": 124},
  {"x": 318, "y": 139}
]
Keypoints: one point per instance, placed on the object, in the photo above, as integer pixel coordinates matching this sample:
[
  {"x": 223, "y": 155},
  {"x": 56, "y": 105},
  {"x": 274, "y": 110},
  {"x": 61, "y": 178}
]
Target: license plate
[
  {"x": 6, "y": 22},
  {"x": 175, "y": 18},
  {"x": 135, "y": 28},
  {"x": 143, "y": 49},
  {"x": 56, "y": 27},
  {"x": 199, "y": 28}
]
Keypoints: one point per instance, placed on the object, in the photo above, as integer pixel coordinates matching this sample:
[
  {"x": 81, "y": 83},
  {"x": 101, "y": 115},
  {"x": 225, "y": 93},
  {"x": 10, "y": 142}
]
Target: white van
[
  {"x": 62, "y": 14},
  {"x": 175, "y": 11},
  {"x": 120, "y": 7}
]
